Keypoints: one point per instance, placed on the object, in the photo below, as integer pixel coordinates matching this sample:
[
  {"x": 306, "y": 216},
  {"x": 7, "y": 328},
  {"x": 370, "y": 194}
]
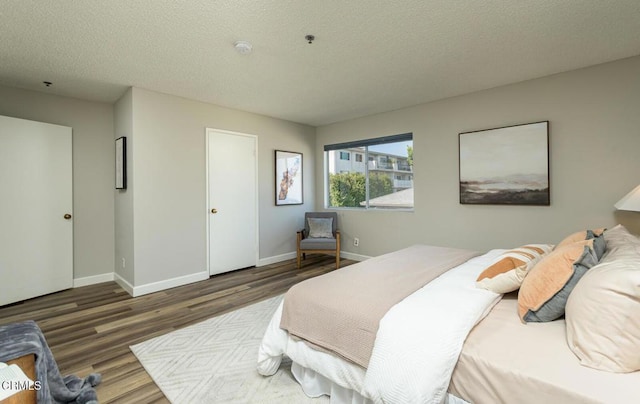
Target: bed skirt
[{"x": 315, "y": 385}]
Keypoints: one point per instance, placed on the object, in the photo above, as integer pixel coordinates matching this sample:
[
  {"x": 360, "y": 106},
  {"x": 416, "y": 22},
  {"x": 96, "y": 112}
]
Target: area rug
[{"x": 215, "y": 361}]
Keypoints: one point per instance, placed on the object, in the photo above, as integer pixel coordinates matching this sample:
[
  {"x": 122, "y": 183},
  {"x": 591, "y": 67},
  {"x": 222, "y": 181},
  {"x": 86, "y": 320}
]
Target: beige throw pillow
[
  {"x": 508, "y": 271},
  {"x": 599, "y": 244},
  {"x": 579, "y": 236},
  {"x": 546, "y": 288}
]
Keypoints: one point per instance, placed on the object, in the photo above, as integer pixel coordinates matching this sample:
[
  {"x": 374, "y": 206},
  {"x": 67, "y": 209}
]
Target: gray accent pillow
[
  {"x": 599, "y": 243},
  {"x": 320, "y": 227},
  {"x": 554, "y": 307},
  {"x": 546, "y": 288}
]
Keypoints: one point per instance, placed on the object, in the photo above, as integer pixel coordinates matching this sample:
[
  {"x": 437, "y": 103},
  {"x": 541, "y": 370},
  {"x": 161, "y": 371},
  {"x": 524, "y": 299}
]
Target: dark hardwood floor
[{"x": 90, "y": 329}]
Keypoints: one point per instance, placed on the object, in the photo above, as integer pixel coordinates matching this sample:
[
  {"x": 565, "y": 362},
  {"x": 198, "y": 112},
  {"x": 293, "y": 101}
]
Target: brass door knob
[
  {"x": 214, "y": 211},
  {"x": 67, "y": 216}
]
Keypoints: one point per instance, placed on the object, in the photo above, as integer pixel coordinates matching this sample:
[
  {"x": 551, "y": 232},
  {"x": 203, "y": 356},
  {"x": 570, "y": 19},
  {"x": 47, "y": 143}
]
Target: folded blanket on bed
[
  {"x": 26, "y": 338},
  {"x": 341, "y": 311}
]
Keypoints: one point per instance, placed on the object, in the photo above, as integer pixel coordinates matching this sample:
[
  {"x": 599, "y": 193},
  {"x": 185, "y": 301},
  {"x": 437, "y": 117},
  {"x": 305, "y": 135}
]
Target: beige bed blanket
[{"x": 340, "y": 311}]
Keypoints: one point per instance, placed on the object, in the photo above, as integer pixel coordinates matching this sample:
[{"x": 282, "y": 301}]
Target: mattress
[{"x": 506, "y": 361}]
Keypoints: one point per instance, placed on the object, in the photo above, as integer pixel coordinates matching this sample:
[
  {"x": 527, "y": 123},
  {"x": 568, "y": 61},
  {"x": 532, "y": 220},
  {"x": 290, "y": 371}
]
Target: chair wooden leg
[
  {"x": 298, "y": 252},
  {"x": 337, "y": 249}
]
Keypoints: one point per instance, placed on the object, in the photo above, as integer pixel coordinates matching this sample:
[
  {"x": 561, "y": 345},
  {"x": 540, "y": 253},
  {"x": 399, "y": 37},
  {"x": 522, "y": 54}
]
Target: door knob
[
  {"x": 67, "y": 216},
  {"x": 214, "y": 210}
]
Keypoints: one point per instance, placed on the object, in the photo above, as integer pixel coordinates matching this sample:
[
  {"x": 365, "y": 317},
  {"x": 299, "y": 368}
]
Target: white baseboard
[
  {"x": 136, "y": 291},
  {"x": 123, "y": 283},
  {"x": 276, "y": 258},
  {"x": 352, "y": 256},
  {"x": 92, "y": 280},
  {"x": 292, "y": 255}
]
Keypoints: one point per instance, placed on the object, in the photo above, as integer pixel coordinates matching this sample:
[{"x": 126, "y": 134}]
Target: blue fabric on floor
[{"x": 26, "y": 338}]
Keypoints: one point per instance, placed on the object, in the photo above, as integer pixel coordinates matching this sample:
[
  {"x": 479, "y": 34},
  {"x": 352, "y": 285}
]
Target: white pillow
[
  {"x": 320, "y": 227},
  {"x": 603, "y": 310}
]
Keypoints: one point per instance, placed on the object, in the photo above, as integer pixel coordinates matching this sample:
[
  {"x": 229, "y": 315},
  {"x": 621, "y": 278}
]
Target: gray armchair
[{"x": 320, "y": 235}]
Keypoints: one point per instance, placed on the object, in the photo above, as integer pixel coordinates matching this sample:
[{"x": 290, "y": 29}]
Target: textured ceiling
[{"x": 369, "y": 56}]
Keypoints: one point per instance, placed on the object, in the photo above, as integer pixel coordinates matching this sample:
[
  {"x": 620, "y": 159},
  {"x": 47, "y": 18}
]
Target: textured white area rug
[{"x": 215, "y": 361}]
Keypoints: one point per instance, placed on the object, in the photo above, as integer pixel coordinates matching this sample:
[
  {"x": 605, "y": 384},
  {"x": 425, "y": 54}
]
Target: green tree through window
[{"x": 348, "y": 189}]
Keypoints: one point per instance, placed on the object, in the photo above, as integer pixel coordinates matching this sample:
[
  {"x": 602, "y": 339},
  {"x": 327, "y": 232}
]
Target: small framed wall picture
[
  {"x": 288, "y": 184},
  {"x": 121, "y": 163}
]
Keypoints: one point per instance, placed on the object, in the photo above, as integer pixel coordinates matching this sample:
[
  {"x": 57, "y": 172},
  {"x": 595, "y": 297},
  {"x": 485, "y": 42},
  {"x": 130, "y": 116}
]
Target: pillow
[
  {"x": 599, "y": 244},
  {"x": 603, "y": 311},
  {"x": 320, "y": 227},
  {"x": 544, "y": 291},
  {"x": 619, "y": 237},
  {"x": 508, "y": 271}
]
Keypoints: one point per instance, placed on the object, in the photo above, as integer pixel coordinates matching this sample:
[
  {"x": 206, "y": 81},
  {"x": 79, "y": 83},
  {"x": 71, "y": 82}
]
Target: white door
[
  {"x": 232, "y": 200},
  {"x": 36, "y": 228}
]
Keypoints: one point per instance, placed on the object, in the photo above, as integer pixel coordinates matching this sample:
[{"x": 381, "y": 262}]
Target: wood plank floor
[{"x": 90, "y": 329}]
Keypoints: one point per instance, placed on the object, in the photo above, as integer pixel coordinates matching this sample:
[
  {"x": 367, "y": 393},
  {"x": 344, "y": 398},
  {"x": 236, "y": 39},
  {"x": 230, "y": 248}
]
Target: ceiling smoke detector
[{"x": 243, "y": 47}]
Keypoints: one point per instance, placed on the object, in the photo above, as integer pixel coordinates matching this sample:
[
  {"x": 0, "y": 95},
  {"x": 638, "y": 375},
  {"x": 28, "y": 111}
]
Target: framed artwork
[
  {"x": 121, "y": 163},
  {"x": 288, "y": 184},
  {"x": 505, "y": 166}
]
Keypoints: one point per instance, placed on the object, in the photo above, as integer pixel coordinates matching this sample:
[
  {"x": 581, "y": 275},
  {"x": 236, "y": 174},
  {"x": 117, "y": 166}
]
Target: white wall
[
  {"x": 168, "y": 184},
  {"x": 93, "y": 178},
  {"x": 594, "y": 116}
]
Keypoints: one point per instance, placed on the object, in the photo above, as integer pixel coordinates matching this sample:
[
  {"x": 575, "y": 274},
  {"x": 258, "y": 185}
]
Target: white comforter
[{"x": 417, "y": 345}]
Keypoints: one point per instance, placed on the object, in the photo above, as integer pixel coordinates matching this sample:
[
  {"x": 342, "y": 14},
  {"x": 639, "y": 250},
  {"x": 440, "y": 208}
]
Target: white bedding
[{"x": 417, "y": 344}]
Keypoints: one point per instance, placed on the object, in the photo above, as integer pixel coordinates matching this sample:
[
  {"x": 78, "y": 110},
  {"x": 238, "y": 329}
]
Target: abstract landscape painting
[{"x": 505, "y": 166}]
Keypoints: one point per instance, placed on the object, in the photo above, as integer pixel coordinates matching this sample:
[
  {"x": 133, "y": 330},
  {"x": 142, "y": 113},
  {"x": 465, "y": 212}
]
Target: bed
[{"x": 450, "y": 341}]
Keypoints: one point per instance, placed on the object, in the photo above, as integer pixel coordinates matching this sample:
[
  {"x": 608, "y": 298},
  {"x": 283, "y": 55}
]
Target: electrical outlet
[
  {"x": 356, "y": 241},
  {"x": 123, "y": 262}
]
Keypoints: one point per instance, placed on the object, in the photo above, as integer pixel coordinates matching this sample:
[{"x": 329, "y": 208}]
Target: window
[{"x": 385, "y": 182}]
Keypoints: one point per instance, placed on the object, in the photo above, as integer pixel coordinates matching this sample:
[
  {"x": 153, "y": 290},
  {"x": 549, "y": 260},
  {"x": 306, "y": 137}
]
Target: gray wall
[
  {"x": 123, "y": 198},
  {"x": 594, "y": 139},
  {"x": 169, "y": 195},
  {"x": 594, "y": 116},
  {"x": 93, "y": 179}
]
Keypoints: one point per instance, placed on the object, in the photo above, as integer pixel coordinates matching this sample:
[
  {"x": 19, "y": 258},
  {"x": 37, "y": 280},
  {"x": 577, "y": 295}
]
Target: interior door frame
[{"x": 211, "y": 131}]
